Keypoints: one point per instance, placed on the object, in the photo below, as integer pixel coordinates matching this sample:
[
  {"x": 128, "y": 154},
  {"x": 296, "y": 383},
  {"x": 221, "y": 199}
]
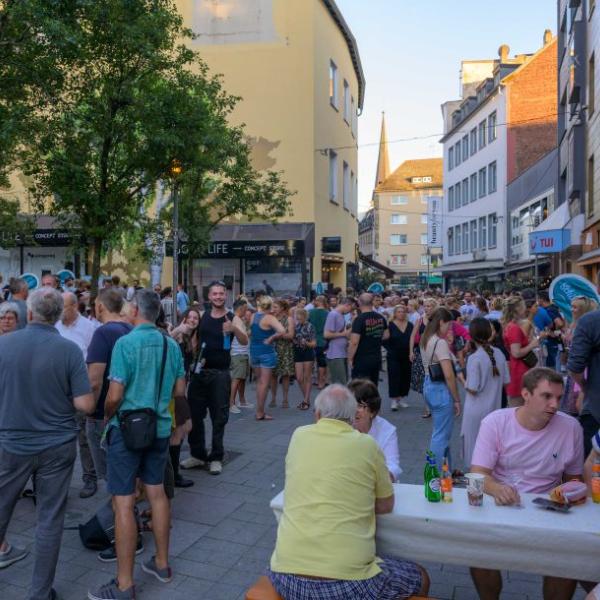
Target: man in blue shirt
[
  {"x": 183, "y": 301},
  {"x": 135, "y": 380},
  {"x": 553, "y": 323},
  {"x": 43, "y": 382}
]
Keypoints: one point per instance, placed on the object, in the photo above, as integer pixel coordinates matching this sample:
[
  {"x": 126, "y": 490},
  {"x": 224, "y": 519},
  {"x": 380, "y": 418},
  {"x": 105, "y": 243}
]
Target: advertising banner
[
  {"x": 567, "y": 287},
  {"x": 434, "y": 221}
]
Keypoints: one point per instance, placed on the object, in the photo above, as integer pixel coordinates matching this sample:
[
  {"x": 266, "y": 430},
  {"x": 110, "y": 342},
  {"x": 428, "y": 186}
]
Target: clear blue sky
[{"x": 411, "y": 54}]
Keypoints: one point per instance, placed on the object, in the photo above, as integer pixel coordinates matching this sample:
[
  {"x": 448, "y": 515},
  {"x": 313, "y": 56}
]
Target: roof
[
  {"x": 401, "y": 179},
  {"x": 337, "y": 16}
]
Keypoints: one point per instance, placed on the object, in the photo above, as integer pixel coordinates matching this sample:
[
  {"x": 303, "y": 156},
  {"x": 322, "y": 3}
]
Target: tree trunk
[{"x": 97, "y": 247}]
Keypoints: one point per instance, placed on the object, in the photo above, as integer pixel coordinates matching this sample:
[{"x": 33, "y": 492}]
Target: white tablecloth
[{"x": 526, "y": 539}]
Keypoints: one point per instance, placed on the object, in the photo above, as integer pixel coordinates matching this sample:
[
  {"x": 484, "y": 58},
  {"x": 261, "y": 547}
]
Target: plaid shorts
[{"x": 398, "y": 579}]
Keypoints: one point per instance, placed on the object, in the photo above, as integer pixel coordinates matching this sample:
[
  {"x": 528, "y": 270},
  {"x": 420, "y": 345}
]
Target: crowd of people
[{"x": 130, "y": 375}]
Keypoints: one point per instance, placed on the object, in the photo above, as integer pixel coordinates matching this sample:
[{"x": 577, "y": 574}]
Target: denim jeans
[
  {"x": 52, "y": 470},
  {"x": 94, "y": 429},
  {"x": 440, "y": 403},
  {"x": 552, "y": 350}
]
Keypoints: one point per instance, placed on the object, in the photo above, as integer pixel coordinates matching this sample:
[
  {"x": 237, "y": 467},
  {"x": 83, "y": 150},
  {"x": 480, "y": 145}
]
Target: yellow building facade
[{"x": 296, "y": 66}]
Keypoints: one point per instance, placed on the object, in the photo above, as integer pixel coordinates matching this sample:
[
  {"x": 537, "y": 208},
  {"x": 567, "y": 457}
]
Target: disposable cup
[{"x": 475, "y": 488}]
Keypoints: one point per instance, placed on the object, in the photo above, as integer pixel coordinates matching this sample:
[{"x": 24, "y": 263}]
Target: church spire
[{"x": 383, "y": 162}]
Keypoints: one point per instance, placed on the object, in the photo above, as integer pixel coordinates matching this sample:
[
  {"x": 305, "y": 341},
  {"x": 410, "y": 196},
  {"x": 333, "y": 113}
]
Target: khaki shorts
[{"x": 239, "y": 366}]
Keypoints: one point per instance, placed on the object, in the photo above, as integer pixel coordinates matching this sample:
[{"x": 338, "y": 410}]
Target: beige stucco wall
[{"x": 282, "y": 74}]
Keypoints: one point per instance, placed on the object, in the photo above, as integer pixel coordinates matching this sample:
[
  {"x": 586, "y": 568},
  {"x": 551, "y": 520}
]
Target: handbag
[
  {"x": 138, "y": 426},
  {"x": 436, "y": 373},
  {"x": 530, "y": 359}
]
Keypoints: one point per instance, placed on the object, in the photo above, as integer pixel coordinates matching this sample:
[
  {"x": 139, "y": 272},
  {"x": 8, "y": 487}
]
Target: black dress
[{"x": 398, "y": 362}]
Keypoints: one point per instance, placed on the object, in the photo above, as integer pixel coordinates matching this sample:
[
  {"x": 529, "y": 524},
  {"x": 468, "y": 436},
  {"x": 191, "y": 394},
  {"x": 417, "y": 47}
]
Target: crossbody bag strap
[
  {"x": 433, "y": 353},
  {"x": 162, "y": 371}
]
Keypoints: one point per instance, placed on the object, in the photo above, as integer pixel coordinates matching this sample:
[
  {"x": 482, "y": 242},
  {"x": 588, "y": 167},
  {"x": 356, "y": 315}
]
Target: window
[
  {"x": 396, "y": 200},
  {"x": 423, "y": 219},
  {"x": 482, "y": 140},
  {"x": 333, "y": 84},
  {"x": 457, "y": 154},
  {"x": 451, "y": 159},
  {"x": 399, "y": 259},
  {"x": 483, "y": 233},
  {"x": 492, "y": 120},
  {"x": 451, "y": 198},
  {"x": 457, "y": 195},
  {"x": 474, "y": 195},
  {"x": 473, "y": 140},
  {"x": 482, "y": 182},
  {"x": 398, "y": 239},
  {"x": 451, "y": 241},
  {"x": 424, "y": 239},
  {"x": 354, "y": 209},
  {"x": 465, "y": 236},
  {"x": 493, "y": 231},
  {"x": 492, "y": 183},
  {"x": 591, "y": 84},
  {"x": 457, "y": 240},
  {"x": 590, "y": 185},
  {"x": 333, "y": 185},
  {"x": 424, "y": 260},
  {"x": 465, "y": 148},
  {"x": 347, "y": 102},
  {"x": 398, "y": 219},
  {"x": 465, "y": 191},
  {"x": 474, "y": 235},
  {"x": 353, "y": 116},
  {"x": 347, "y": 192}
]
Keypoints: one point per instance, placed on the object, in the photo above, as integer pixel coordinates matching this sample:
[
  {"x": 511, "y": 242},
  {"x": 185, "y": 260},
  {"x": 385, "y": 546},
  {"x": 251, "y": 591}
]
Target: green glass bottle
[{"x": 433, "y": 493}]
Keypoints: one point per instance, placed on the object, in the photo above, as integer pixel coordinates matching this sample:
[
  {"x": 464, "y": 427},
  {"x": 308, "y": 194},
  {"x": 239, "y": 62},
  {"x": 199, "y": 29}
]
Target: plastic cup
[{"x": 475, "y": 488}]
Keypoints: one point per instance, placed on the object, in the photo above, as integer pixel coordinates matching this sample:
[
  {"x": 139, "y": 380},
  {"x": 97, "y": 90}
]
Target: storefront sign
[
  {"x": 245, "y": 249},
  {"x": 548, "y": 242},
  {"x": 567, "y": 287},
  {"x": 434, "y": 221},
  {"x": 47, "y": 237}
]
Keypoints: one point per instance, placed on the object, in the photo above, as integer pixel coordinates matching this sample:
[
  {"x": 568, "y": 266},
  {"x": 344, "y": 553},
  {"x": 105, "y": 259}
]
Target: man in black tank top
[{"x": 209, "y": 389}]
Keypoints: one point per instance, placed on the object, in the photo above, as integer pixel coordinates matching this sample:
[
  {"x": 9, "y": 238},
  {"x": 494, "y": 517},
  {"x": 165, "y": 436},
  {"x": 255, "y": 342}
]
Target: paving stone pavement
[{"x": 223, "y": 530}]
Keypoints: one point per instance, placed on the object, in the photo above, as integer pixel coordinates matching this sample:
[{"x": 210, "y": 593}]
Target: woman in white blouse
[{"x": 367, "y": 421}]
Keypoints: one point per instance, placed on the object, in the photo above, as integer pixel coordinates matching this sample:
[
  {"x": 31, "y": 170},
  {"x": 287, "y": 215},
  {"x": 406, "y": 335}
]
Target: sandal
[
  {"x": 304, "y": 405},
  {"x": 285, "y": 405},
  {"x": 265, "y": 417}
]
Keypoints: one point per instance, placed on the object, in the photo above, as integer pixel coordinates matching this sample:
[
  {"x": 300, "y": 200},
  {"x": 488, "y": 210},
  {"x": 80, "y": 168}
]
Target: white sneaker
[
  {"x": 394, "y": 405},
  {"x": 247, "y": 405},
  {"x": 404, "y": 404},
  {"x": 192, "y": 463},
  {"x": 216, "y": 467},
  {"x": 234, "y": 410}
]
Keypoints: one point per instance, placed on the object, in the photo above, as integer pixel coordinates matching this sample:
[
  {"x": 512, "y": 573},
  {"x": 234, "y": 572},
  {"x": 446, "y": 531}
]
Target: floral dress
[{"x": 285, "y": 353}]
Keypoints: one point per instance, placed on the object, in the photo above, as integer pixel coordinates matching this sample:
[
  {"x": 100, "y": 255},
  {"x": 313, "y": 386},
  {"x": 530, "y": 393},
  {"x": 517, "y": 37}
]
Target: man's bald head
[{"x": 365, "y": 300}]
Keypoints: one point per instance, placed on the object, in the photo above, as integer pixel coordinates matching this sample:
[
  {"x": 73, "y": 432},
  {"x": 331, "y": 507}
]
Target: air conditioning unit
[{"x": 479, "y": 255}]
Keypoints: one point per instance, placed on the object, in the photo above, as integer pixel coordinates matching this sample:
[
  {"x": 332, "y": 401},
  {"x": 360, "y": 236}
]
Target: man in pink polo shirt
[{"x": 528, "y": 449}]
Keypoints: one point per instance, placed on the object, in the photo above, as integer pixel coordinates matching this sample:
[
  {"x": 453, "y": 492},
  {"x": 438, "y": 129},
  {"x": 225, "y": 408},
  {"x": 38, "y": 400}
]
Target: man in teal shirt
[
  {"x": 317, "y": 317},
  {"x": 134, "y": 384}
]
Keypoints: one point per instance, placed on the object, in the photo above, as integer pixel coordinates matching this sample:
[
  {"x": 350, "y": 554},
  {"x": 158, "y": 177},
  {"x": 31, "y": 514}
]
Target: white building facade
[{"x": 475, "y": 168}]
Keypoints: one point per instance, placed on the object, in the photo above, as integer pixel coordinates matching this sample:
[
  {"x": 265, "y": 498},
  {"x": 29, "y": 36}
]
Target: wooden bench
[{"x": 263, "y": 590}]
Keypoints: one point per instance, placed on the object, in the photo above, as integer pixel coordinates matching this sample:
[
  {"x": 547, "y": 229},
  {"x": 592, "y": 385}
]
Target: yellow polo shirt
[{"x": 333, "y": 474}]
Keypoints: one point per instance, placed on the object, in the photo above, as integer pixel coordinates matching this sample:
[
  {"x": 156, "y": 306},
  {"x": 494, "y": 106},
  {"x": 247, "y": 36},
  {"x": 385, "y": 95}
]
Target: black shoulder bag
[
  {"x": 436, "y": 373},
  {"x": 138, "y": 426}
]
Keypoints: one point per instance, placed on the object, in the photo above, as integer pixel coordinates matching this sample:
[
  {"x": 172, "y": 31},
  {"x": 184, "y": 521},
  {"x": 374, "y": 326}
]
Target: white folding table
[{"x": 526, "y": 539}]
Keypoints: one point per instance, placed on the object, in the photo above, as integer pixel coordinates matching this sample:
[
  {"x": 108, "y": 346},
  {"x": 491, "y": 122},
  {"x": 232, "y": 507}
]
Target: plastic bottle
[
  {"x": 432, "y": 481},
  {"x": 446, "y": 482},
  {"x": 596, "y": 480}
]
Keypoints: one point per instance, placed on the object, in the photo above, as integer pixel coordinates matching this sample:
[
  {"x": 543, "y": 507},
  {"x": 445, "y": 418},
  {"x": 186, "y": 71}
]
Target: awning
[
  {"x": 521, "y": 267},
  {"x": 376, "y": 265},
  {"x": 473, "y": 266},
  {"x": 590, "y": 258}
]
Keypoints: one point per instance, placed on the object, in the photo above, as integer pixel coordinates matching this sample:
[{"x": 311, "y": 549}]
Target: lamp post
[{"x": 176, "y": 170}]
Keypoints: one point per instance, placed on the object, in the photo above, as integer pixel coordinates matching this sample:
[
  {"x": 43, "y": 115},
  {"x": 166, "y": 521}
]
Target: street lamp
[{"x": 176, "y": 170}]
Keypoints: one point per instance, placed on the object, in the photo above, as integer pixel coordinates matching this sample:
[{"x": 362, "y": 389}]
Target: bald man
[{"x": 80, "y": 330}]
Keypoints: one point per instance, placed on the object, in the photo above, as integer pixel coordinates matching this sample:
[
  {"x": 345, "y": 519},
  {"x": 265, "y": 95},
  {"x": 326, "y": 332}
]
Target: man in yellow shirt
[{"x": 336, "y": 482}]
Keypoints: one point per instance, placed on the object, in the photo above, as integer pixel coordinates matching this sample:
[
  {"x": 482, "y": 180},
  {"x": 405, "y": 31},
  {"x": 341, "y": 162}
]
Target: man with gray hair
[
  {"x": 336, "y": 482},
  {"x": 73, "y": 326},
  {"x": 146, "y": 371},
  {"x": 43, "y": 382}
]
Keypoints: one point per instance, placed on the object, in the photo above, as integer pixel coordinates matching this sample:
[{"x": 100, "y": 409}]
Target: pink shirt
[{"x": 531, "y": 461}]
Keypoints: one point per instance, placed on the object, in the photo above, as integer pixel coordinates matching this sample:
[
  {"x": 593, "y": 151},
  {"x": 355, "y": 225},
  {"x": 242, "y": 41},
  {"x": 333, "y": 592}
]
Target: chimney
[
  {"x": 503, "y": 52},
  {"x": 547, "y": 37}
]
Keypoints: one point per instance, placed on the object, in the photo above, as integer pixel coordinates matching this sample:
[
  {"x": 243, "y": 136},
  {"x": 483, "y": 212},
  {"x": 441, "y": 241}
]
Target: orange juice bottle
[
  {"x": 446, "y": 482},
  {"x": 596, "y": 480}
]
